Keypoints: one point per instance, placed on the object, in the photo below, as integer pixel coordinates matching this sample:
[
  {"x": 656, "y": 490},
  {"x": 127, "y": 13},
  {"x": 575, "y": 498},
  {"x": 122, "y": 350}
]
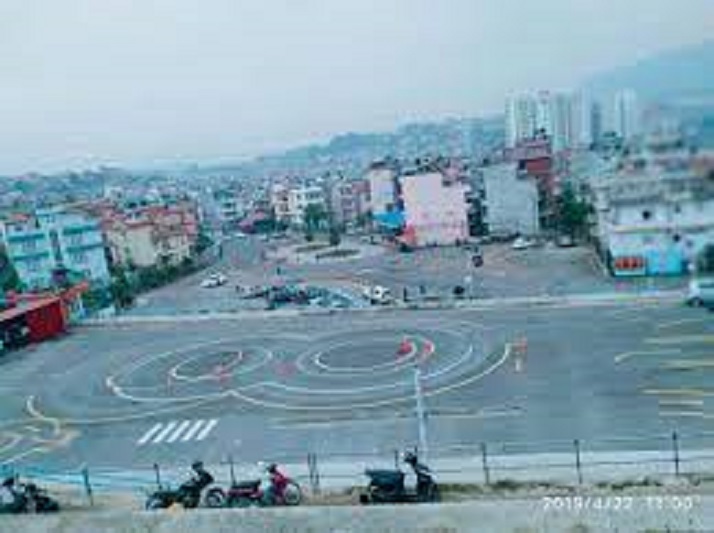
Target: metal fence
[{"x": 654, "y": 459}]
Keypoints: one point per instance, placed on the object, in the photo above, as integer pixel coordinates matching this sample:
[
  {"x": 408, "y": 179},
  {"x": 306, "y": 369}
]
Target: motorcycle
[
  {"x": 249, "y": 493},
  {"x": 189, "y": 495},
  {"x": 28, "y": 498},
  {"x": 387, "y": 486}
]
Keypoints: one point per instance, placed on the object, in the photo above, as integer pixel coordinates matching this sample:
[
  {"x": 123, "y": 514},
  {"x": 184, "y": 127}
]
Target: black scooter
[{"x": 387, "y": 486}]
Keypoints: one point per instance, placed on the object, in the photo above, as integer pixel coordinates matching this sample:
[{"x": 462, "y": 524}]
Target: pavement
[
  {"x": 556, "y": 514},
  {"x": 616, "y": 376}
]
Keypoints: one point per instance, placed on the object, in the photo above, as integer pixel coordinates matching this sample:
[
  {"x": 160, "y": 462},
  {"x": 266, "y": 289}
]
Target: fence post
[
  {"x": 675, "y": 451},
  {"x": 484, "y": 462},
  {"x": 231, "y": 467},
  {"x": 316, "y": 474},
  {"x": 158, "y": 475},
  {"x": 396, "y": 459},
  {"x": 87, "y": 486},
  {"x": 578, "y": 465}
]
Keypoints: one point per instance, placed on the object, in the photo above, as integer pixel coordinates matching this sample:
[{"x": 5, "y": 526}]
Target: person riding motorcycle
[
  {"x": 278, "y": 483},
  {"x": 8, "y": 497},
  {"x": 200, "y": 479},
  {"x": 422, "y": 472}
]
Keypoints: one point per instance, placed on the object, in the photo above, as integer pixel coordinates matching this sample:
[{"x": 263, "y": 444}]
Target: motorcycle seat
[
  {"x": 386, "y": 476},
  {"x": 251, "y": 484}
]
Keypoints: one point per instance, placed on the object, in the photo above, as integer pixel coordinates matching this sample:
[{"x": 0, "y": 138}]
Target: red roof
[{"x": 25, "y": 307}]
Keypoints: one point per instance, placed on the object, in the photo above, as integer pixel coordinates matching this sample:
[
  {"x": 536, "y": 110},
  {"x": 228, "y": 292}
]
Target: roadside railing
[{"x": 558, "y": 464}]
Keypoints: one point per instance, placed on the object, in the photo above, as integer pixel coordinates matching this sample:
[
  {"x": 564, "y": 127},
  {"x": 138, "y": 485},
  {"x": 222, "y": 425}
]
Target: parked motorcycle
[
  {"x": 281, "y": 490},
  {"x": 189, "y": 494},
  {"x": 26, "y": 498},
  {"x": 387, "y": 486}
]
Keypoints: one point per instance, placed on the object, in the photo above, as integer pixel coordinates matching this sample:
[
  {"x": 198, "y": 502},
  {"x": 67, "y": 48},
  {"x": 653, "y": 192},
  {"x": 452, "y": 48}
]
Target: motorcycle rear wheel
[{"x": 215, "y": 498}]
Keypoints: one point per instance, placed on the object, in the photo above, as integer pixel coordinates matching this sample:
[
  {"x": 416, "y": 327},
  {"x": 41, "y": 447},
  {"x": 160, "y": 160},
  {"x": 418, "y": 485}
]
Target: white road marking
[
  {"x": 149, "y": 434},
  {"x": 191, "y": 432},
  {"x": 168, "y": 428},
  {"x": 206, "y": 430},
  {"x": 179, "y": 430}
]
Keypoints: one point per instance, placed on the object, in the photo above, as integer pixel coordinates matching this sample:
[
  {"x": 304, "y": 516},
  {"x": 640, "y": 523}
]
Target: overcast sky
[{"x": 133, "y": 82}]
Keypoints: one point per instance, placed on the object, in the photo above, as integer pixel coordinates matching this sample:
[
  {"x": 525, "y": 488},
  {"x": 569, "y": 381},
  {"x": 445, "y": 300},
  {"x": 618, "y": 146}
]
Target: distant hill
[
  {"x": 672, "y": 74},
  {"x": 350, "y": 153}
]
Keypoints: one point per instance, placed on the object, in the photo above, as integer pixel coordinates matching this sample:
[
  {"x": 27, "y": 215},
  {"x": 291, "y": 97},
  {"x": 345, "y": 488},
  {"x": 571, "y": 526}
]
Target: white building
[
  {"x": 627, "y": 115},
  {"x": 435, "y": 209},
  {"x": 279, "y": 202},
  {"x": 552, "y": 113},
  {"x": 55, "y": 239},
  {"x": 382, "y": 188},
  {"x": 511, "y": 200},
  {"x": 656, "y": 214},
  {"x": 299, "y": 198}
]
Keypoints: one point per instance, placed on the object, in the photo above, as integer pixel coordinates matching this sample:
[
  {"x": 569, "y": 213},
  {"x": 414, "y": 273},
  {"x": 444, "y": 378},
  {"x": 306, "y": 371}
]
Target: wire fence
[{"x": 555, "y": 464}]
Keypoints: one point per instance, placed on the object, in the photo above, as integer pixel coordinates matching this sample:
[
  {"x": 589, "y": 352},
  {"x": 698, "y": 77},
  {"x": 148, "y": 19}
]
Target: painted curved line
[
  {"x": 397, "y": 362},
  {"x": 380, "y": 403}
]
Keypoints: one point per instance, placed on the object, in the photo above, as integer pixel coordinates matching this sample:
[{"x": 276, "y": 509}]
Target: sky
[{"x": 134, "y": 83}]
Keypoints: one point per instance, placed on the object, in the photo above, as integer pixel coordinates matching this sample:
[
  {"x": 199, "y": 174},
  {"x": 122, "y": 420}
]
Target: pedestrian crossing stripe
[{"x": 178, "y": 431}]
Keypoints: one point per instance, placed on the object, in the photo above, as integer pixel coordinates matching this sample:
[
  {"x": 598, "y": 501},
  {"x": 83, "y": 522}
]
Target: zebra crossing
[{"x": 177, "y": 431}]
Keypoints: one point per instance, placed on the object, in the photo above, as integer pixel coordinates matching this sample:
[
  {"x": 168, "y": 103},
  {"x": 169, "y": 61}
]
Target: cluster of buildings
[
  {"x": 572, "y": 120},
  {"x": 81, "y": 242}
]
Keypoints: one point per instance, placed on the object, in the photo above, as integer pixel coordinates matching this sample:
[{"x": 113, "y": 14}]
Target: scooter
[
  {"x": 28, "y": 498},
  {"x": 188, "y": 495},
  {"x": 387, "y": 486}
]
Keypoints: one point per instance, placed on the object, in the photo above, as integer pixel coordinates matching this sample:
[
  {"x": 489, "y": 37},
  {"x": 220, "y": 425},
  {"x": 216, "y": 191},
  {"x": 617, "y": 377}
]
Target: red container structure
[{"x": 33, "y": 321}]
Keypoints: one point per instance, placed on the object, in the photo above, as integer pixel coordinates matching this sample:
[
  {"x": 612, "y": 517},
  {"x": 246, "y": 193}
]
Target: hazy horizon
[{"x": 85, "y": 83}]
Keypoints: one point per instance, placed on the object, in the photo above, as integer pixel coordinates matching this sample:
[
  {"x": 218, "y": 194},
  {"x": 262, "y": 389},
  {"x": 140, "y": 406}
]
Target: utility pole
[{"x": 420, "y": 413}]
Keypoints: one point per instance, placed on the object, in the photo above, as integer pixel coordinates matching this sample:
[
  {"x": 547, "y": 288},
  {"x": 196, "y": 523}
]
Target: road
[{"x": 127, "y": 396}]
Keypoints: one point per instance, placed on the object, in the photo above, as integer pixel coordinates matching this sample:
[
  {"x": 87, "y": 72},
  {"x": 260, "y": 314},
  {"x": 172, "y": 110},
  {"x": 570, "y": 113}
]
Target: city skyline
[{"x": 177, "y": 81}]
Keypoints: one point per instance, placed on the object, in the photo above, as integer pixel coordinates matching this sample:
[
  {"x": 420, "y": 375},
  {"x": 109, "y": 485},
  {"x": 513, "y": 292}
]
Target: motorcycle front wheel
[
  {"x": 154, "y": 503},
  {"x": 292, "y": 494}
]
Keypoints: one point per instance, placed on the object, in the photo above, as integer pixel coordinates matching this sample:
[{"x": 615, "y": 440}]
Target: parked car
[
  {"x": 214, "y": 280},
  {"x": 377, "y": 294},
  {"x": 521, "y": 243},
  {"x": 701, "y": 292}
]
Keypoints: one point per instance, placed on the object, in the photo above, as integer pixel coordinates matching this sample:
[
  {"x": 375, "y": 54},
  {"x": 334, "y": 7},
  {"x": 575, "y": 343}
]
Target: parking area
[{"x": 432, "y": 273}]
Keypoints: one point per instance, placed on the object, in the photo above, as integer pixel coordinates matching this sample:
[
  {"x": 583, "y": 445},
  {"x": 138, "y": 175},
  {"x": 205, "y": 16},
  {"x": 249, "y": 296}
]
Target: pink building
[{"x": 435, "y": 209}]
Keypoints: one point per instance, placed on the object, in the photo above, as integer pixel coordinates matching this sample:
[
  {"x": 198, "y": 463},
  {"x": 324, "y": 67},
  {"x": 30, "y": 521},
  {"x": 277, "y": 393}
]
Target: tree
[
  {"x": 314, "y": 217},
  {"x": 9, "y": 280},
  {"x": 705, "y": 260},
  {"x": 572, "y": 213},
  {"x": 334, "y": 236},
  {"x": 121, "y": 289}
]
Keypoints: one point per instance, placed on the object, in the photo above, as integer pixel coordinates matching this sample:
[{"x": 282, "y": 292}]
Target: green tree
[
  {"x": 335, "y": 238},
  {"x": 314, "y": 217},
  {"x": 121, "y": 288},
  {"x": 9, "y": 280},
  {"x": 705, "y": 260},
  {"x": 572, "y": 213}
]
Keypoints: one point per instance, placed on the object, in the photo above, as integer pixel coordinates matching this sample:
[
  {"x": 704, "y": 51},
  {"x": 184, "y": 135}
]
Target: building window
[
  {"x": 79, "y": 258},
  {"x": 75, "y": 240},
  {"x": 29, "y": 246}
]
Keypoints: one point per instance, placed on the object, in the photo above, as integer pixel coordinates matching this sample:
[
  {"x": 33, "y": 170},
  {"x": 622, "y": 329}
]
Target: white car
[
  {"x": 701, "y": 292},
  {"x": 377, "y": 294},
  {"x": 521, "y": 243},
  {"x": 214, "y": 280}
]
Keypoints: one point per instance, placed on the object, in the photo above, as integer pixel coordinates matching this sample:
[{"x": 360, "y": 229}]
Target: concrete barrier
[{"x": 548, "y": 514}]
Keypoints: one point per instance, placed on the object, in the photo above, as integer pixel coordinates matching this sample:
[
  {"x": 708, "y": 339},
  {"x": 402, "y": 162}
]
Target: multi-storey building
[
  {"x": 52, "y": 240},
  {"x": 435, "y": 208},
  {"x": 510, "y": 200},
  {"x": 656, "y": 212}
]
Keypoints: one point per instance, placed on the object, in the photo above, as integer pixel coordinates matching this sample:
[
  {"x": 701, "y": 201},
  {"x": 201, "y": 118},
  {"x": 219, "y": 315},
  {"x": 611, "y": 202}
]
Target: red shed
[{"x": 33, "y": 321}]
